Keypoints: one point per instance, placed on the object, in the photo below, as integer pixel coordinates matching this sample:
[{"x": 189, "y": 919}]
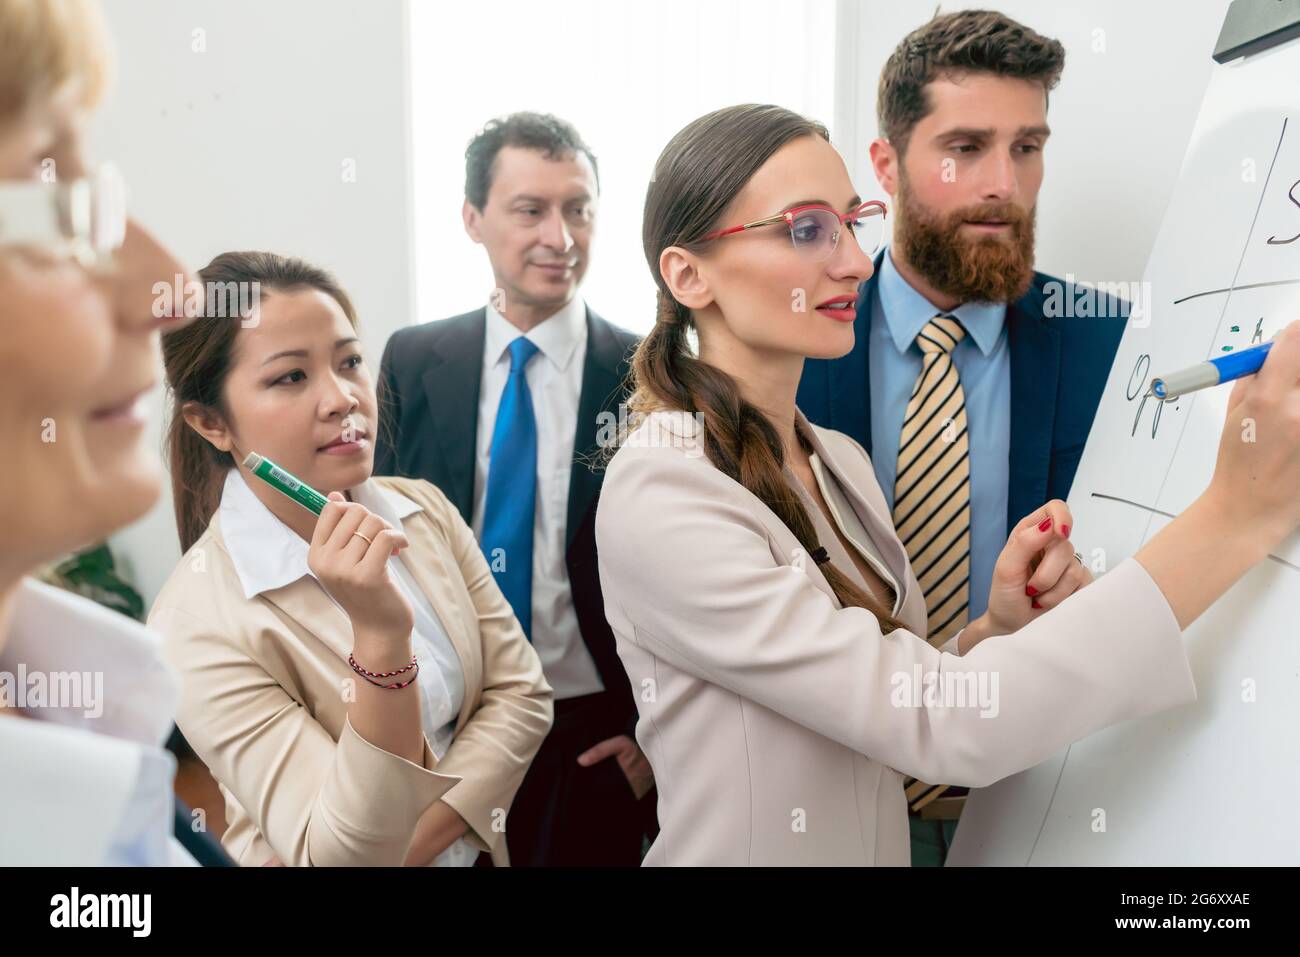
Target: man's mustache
[{"x": 989, "y": 213}]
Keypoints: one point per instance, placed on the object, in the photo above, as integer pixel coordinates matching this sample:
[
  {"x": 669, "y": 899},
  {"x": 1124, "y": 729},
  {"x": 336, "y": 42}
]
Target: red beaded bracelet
[
  {"x": 370, "y": 676},
  {"x": 396, "y": 686}
]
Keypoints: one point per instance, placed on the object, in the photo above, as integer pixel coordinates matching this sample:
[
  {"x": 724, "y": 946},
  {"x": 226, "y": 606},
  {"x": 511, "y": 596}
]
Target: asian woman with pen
[{"x": 356, "y": 682}]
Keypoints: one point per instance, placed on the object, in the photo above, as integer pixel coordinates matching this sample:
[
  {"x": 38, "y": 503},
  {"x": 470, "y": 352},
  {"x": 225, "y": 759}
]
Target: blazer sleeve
[
  {"x": 316, "y": 801},
  {"x": 494, "y": 749},
  {"x": 692, "y": 576}
]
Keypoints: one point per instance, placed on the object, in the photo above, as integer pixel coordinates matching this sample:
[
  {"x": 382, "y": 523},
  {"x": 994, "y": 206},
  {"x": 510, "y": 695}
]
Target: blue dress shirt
[{"x": 983, "y": 362}]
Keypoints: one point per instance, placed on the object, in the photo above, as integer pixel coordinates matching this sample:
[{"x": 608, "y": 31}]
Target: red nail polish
[
  {"x": 1035, "y": 603},
  {"x": 1031, "y": 591},
  {"x": 1065, "y": 530},
  {"x": 1045, "y": 524}
]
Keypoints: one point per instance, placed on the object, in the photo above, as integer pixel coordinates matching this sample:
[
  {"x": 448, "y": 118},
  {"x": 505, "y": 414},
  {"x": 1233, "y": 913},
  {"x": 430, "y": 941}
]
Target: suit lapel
[
  {"x": 880, "y": 527},
  {"x": 1035, "y": 372},
  {"x": 311, "y": 607},
  {"x": 602, "y": 389},
  {"x": 451, "y": 387}
]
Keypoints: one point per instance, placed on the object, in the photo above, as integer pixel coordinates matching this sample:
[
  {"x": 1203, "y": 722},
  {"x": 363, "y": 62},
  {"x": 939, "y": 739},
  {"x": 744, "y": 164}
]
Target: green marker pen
[{"x": 285, "y": 482}]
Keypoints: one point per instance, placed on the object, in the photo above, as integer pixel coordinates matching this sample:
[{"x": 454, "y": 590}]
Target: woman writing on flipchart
[{"x": 762, "y": 602}]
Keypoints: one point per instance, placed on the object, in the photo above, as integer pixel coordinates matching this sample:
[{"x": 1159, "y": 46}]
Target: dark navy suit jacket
[
  {"x": 429, "y": 393},
  {"x": 1059, "y": 366}
]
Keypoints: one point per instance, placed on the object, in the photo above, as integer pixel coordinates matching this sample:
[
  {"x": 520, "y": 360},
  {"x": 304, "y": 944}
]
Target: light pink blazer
[{"x": 777, "y": 722}]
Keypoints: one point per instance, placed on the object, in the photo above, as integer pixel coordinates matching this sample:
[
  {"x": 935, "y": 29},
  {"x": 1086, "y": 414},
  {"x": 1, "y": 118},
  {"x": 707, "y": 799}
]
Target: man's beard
[{"x": 979, "y": 269}]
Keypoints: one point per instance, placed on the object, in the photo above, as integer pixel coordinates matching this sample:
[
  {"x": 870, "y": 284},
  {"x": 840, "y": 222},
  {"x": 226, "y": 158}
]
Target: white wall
[
  {"x": 628, "y": 75},
  {"x": 243, "y": 147},
  {"x": 1120, "y": 119}
]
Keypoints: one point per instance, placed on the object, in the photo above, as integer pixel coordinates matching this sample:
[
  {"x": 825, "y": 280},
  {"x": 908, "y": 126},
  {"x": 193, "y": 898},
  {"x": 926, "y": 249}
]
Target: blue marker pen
[{"x": 1211, "y": 372}]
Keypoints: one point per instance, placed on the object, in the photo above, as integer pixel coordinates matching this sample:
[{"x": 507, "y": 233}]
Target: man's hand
[{"x": 630, "y": 758}]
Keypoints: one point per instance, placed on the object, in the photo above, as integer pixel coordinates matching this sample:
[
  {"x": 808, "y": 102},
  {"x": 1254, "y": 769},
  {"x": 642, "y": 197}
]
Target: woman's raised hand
[
  {"x": 349, "y": 554},
  {"x": 1257, "y": 474}
]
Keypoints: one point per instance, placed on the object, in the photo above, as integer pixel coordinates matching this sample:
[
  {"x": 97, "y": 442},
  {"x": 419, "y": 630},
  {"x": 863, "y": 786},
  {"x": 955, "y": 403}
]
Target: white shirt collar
[
  {"x": 907, "y": 311},
  {"x": 556, "y": 337},
  {"x": 53, "y": 631},
  {"x": 266, "y": 553},
  {"x": 82, "y": 776}
]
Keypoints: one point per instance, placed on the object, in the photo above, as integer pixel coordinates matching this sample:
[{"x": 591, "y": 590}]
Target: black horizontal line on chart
[
  {"x": 1249, "y": 285},
  {"x": 1156, "y": 511}
]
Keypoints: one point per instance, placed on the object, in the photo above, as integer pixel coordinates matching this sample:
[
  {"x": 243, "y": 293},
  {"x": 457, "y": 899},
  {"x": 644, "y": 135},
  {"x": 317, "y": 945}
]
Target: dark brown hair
[
  {"x": 967, "y": 41},
  {"x": 197, "y": 360},
  {"x": 699, "y": 173},
  {"x": 553, "y": 137}
]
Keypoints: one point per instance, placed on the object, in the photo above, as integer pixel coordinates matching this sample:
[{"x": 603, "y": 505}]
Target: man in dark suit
[
  {"x": 504, "y": 409},
  {"x": 972, "y": 381}
]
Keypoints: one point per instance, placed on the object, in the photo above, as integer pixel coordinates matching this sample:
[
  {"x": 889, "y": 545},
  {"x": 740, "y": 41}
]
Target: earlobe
[
  {"x": 209, "y": 424},
  {"x": 686, "y": 281}
]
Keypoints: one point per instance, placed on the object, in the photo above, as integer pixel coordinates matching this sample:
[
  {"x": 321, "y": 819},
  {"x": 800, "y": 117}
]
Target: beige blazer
[
  {"x": 780, "y": 724},
  {"x": 262, "y": 702}
]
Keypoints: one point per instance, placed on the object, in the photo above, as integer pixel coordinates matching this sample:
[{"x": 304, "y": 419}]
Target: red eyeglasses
[{"x": 815, "y": 228}]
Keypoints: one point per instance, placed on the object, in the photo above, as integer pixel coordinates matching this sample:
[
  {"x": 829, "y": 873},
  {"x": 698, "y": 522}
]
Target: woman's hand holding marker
[{"x": 349, "y": 556}]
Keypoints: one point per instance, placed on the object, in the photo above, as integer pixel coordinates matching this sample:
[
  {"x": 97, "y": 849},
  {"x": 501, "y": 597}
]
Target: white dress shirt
[
  {"x": 267, "y": 554},
  {"x": 555, "y": 381},
  {"x": 85, "y": 780}
]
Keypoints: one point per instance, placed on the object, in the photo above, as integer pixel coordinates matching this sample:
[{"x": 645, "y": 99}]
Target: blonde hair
[{"x": 47, "y": 44}]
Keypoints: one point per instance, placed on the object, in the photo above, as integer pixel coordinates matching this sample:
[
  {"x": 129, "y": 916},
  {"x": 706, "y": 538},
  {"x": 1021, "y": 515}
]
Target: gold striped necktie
[{"x": 932, "y": 496}]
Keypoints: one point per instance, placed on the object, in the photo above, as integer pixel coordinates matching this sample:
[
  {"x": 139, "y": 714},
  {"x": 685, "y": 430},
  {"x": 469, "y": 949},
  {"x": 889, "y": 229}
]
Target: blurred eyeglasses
[
  {"x": 83, "y": 219},
  {"x": 815, "y": 228}
]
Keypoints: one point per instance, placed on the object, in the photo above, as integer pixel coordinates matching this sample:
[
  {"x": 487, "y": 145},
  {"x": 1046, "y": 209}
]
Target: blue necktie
[{"x": 507, "y": 539}]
